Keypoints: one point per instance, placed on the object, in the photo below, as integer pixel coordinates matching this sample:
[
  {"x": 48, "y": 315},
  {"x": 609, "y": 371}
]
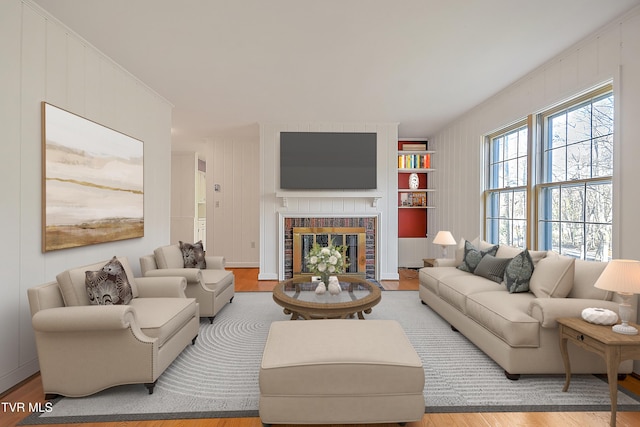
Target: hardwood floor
[{"x": 30, "y": 391}]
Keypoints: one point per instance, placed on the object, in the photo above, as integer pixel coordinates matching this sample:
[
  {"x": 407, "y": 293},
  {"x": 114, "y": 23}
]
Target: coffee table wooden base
[{"x": 308, "y": 310}]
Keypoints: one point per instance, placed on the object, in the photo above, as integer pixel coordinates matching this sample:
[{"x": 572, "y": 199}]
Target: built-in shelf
[
  {"x": 286, "y": 195},
  {"x": 418, "y": 190},
  {"x": 415, "y": 170}
]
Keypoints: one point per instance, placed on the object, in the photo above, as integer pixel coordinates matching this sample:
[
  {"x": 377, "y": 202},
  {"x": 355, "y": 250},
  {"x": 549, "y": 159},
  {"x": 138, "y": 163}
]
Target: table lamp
[
  {"x": 444, "y": 239},
  {"x": 622, "y": 276}
]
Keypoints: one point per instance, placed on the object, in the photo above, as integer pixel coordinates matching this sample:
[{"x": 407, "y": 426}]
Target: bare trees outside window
[
  {"x": 571, "y": 209},
  {"x": 575, "y": 198}
]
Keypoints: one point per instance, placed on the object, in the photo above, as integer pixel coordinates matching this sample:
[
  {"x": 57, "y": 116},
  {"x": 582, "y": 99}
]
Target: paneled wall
[
  {"x": 331, "y": 203},
  {"x": 233, "y": 212},
  {"x": 42, "y": 60},
  {"x": 613, "y": 53}
]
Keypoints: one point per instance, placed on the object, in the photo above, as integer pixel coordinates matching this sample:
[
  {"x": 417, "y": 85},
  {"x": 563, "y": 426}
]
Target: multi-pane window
[
  {"x": 506, "y": 195},
  {"x": 575, "y": 197},
  {"x": 572, "y": 184}
]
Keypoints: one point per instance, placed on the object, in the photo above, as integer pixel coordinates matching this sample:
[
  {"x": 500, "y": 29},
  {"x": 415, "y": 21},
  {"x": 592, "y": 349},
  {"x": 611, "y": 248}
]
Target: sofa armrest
[
  {"x": 215, "y": 262},
  {"x": 444, "y": 262},
  {"x": 548, "y": 310},
  {"x": 193, "y": 275},
  {"x": 83, "y": 318},
  {"x": 161, "y": 287}
]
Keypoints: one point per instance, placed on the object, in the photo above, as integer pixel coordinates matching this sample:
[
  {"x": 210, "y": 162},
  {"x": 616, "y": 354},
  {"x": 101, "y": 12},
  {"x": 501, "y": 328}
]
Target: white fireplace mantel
[{"x": 286, "y": 195}]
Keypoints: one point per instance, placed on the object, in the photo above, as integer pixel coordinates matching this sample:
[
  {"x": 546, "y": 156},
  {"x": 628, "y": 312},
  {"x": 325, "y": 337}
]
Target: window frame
[
  {"x": 488, "y": 192},
  {"x": 536, "y": 125}
]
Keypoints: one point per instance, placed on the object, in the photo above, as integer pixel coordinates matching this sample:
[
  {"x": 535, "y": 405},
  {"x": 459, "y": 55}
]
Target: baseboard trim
[{"x": 16, "y": 377}]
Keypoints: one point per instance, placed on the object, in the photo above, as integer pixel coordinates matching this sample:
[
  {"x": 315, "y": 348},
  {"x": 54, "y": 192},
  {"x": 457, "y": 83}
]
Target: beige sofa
[
  {"x": 519, "y": 330},
  {"x": 212, "y": 287},
  {"x": 83, "y": 348}
]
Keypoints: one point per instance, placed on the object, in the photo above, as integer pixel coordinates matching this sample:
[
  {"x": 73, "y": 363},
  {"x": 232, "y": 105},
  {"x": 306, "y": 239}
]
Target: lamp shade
[
  {"x": 444, "y": 238},
  {"x": 620, "y": 275}
]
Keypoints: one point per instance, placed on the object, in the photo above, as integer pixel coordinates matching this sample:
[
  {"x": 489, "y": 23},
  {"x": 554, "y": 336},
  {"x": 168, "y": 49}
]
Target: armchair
[
  {"x": 212, "y": 287},
  {"x": 83, "y": 348}
]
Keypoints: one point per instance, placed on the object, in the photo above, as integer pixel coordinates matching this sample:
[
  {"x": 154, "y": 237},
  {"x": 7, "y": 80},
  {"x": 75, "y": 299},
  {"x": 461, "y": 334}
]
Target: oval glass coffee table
[{"x": 299, "y": 299}]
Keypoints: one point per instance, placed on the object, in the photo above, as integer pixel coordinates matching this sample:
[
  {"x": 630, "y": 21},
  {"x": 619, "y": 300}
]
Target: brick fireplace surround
[{"x": 368, "y": 223}]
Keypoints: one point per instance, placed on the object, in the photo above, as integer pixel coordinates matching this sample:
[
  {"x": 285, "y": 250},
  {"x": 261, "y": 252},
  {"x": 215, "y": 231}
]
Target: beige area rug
[{"x": 218, "y": 377}]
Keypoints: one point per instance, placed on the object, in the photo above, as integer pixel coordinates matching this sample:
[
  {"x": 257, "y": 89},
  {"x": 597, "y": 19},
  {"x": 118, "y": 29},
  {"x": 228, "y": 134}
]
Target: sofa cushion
[
  {"x": 193, "y": 255},
  {"x": 505, "y": 251},
  {"x": 169, "y": 257},
  {"x": 518, "y": 273},
  {"x": 473, "y": 256},
  {"x": 217, "y": 280},
  {"x": 506, "y": 316},
  {"x": 430, "y": 277},
  {"x": 161, "y": 318},
  {"x": 109, "y": 285},
  {"x": 455, "y": 289},
  {"x": 492, "y": 268},
  {"x": 585, "y": 275},
  {"x": 480, "y": 244},
  {"x": 553, "y": 277},
  {"x": 73, "y": 286}
]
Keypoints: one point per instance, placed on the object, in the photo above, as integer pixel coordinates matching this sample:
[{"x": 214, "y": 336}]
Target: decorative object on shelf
[
  {"x": 414, "y": 181},
  {"x": 444, "y": 239},
  {"x": 622, "y": 276},
  {"x": 321, "y": 288},
  {"x": 326, "y": 261},
  {"x": 599, "y": 316},
  {"x": 334, "y": 286}
]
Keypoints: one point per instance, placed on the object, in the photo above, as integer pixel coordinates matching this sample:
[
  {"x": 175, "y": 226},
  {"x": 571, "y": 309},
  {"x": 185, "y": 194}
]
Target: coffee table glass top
[
  {"x": 306, "y": 292},
  {"x": 298, "y": 297}
]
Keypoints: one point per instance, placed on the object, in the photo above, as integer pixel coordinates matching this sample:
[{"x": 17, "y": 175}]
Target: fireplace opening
[
  {"x": 340, "y": 231},
  {"x": 352, "y": 238}
]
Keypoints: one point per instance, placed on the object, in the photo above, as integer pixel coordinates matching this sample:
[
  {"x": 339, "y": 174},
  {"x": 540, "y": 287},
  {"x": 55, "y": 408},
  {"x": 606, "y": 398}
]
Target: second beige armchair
[{"x": 212, "y": 287}]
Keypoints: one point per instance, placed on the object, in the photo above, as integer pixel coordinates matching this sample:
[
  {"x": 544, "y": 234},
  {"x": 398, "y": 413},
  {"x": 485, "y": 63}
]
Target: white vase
[
  {"x": 321, "y": 288},
  {"x": 334, "y": 288},
  {"x": 414, "y": 181}
]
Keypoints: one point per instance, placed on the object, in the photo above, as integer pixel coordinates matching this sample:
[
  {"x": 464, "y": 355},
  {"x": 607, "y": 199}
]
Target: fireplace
[
  {"x": 353, "y": 239},
  {"x": 357, "y": 233}
]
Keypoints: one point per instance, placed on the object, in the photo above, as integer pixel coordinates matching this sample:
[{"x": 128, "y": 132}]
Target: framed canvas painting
[{"x": 92, "y": 187}]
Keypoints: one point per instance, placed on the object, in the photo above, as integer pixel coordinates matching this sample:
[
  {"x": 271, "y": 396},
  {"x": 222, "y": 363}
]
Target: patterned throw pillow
[
  {"x": 518, "y": 273},
  {"x": 109, "y": 285},
  {"x": 492, "y": 268},
  {"x": 472, "y": 256},
  {"x": 193, "y": 255}
]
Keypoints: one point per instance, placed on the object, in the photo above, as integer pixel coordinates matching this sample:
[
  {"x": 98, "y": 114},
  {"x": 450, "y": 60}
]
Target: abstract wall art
[{"x": 92, "y": 186}]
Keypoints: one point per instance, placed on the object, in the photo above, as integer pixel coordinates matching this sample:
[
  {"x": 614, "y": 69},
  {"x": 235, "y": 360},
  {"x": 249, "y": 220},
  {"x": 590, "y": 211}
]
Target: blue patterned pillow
[
  {"x": 473, "y": 256},
  {"x": 518, "y": 273}
]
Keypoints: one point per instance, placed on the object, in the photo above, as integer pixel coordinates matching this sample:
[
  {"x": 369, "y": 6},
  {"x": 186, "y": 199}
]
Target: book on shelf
[
  {"x": 414, "y": 161},
  {"x": 413, "y": 199},
  {"x": 414, "y": 147}
]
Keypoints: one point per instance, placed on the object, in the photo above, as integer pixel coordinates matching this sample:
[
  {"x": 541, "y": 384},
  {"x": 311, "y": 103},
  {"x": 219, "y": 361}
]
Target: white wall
[
  {"x": 233, "y": 212},
  {"x": 611, "y": 53},
  {"x": 271, "y": 206},
  {"x": 41, "y": 60}
]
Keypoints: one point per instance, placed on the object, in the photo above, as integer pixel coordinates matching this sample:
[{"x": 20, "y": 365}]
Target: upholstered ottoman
[{"x": 340, "y": 372}]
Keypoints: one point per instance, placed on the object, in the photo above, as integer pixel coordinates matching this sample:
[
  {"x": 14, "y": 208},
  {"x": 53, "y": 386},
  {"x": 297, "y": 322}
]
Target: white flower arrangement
[{"x": 326, "y": 261}]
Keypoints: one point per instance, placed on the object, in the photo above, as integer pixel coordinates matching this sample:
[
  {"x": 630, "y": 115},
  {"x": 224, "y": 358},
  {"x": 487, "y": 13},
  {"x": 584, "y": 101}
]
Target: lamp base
[{"x": 625, "y": 329}]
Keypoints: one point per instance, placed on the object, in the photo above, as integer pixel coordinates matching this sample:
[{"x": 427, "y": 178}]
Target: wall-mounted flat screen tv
[{"x": 328, "y": 160}]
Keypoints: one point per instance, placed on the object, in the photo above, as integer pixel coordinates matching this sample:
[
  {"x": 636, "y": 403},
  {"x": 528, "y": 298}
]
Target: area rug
[{"x": 218, "y": 377}]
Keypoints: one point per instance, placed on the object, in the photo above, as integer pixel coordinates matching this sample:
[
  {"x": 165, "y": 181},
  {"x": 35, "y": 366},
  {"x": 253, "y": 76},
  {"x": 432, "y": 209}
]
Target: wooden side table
[
  {"x": 428, "y": 262},
  {"x": 611, "y": 346}
]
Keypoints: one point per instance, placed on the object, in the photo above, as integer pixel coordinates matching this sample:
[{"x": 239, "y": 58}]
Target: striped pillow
[{"x": 492, "y": 268}]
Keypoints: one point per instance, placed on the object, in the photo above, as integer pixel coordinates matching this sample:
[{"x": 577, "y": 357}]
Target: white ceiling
[{"x": 227, "y": 65}]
